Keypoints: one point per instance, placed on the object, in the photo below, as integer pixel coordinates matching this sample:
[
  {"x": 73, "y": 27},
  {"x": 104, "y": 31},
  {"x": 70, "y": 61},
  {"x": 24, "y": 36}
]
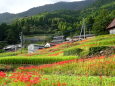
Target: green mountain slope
[
  {"x": 63, "y": 22},
  {"x": 7, "y": 17},
  {"x": 67, "y": 22}
]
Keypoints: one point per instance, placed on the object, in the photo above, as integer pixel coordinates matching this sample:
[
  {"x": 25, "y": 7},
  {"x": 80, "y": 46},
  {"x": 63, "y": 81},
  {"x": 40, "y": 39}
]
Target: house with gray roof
[{"x": 111, "y": 27}]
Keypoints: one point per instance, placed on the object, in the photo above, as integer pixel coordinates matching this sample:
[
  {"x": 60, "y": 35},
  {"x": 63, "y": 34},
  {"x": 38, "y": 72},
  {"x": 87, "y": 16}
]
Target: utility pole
[
  {"x": 21, "y": 38},
  {"x": 83, "y": 29}
]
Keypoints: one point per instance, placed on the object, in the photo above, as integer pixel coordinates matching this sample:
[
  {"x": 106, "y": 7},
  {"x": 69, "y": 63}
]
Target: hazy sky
[{"x": 16, "y": 6}]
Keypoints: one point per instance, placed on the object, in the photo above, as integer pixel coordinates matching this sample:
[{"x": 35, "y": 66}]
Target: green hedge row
[
  {"x": 94, "y": 50},
  {"x": 73, "y": 52},
  {"x": 1, "y": 50},
  {"x": 5, "y": 54}
]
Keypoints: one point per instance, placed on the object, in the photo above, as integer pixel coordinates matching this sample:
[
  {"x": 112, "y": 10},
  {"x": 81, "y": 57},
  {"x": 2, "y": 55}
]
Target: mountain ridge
[{"x": 76, "y": 5}]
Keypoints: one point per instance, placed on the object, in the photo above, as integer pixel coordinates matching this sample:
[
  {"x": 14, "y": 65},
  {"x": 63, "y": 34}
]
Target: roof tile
[{"x": 112, "y": 25}]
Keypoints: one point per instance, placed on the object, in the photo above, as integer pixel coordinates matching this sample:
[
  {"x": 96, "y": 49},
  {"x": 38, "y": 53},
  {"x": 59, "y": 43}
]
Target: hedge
[
  {"x": 94, "y": 50},
  {"x": 72, "y": 52}
]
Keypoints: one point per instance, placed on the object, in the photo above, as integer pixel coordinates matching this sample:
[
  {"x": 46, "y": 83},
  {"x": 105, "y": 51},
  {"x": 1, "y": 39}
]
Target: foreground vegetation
[
  {"x": 83, "y": 72},
  {"x": 93, "y": 66},
  {"x": 57, "y": 80},
  {"x": 34, "y": 60}
]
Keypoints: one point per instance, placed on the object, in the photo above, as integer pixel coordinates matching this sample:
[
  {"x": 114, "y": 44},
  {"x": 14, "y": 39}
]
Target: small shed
[
  {"x": 111, "y": 27},
  {"x": 48, "y": 45},
  {"x": 34, "y": 47}
]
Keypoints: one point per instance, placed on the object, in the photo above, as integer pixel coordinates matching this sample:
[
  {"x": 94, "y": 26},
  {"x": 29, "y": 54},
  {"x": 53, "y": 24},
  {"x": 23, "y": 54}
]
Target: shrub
[
  {"x": 2, "y": 44},
  {"x": 95, "y": 50},
  {"x": 1, "y": 50},
  {"x": 76, "y": 51}
]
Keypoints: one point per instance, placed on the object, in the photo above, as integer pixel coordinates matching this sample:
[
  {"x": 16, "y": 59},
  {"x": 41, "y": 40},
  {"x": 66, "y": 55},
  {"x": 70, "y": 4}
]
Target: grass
[
  {"x": 92, "y": 67},
  {"x": 65, "y": 80},
  {"x": 104, "y": 40}
]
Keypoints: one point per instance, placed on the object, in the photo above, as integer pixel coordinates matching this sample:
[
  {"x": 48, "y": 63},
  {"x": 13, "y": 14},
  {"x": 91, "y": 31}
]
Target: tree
[
  {"x": 3, "y": 28},
  {"x": 12, "y": 36},
  {"x": 101, "y": 23}
]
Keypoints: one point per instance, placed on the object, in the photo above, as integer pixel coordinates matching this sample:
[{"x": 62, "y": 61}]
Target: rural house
[
  {"x": 12, "y": 47},
  {"x": 47, "y": 45},
  {"x": 57, "y": 40},
  {"x": 77, "y": 38},
  {"x": 34, "y": 47},
  {"x": 111, "y": 27}
]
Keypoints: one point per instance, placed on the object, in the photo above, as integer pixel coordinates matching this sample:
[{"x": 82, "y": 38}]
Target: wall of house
[
  {"x": 112, "y": 31},
  {"x": 31, "y": 49}
]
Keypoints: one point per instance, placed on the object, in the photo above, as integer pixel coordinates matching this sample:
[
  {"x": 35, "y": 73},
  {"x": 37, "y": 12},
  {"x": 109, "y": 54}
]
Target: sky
[{"x": 17, "y": 6}]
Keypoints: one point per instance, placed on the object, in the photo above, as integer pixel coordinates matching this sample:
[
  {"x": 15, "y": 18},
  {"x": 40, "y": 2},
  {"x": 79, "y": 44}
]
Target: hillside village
[
  {"x": 57, "y": 40},
  {"x": 51, "y": 46}
]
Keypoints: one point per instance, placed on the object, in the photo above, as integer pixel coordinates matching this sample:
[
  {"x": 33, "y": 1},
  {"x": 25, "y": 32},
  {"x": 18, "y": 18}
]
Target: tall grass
[
  {"x": 92, "y": 67},
  {"x": 65, "y": 80}
]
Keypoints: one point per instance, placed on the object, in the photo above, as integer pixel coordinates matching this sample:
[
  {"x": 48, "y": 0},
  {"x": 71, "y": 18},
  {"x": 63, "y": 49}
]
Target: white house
[
  {"x": 47, "y": 45},
  {"x": 111, "y": 27},
  {"x": 12, "y": 47},
  {"x": 34, "y": 47}
]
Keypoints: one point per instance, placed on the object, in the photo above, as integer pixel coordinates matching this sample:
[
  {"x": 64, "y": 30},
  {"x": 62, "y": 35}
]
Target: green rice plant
[
  {"x": 8, "y": 54},
  {"x": 34, "y": 60},
  {"x": 13, "y": 53}
]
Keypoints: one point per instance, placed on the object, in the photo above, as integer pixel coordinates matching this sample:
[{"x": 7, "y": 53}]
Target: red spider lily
[
  {"x": 59, "y": 84},
  {"x": 46, "y": 78},
  {"x": 35, "y": 80},
  {"x": 26, "y": 77},
  {"x": 64, "y": 84},
  {"x": 101, "y": 77},
  {"x": 60, "y": 63},
  {"x": 2, "y": 74}
]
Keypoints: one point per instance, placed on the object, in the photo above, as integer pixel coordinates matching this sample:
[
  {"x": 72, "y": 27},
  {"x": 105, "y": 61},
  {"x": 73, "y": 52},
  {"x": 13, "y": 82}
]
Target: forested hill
[
  {"x": 62, "y": 22},
  {"x": 99, "y": 3},
  {"x": 69, "y": 22},
  {"x": 7, "y": 17}
]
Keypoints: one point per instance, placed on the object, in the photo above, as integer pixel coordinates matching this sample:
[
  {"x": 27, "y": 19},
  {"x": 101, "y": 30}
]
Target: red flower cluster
[
  {"x": 26, "y": 77},
  {"x": 59, "y": 84},
  {"x": 2, "y": 74},
  {"x": 60, "y": 63}
]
